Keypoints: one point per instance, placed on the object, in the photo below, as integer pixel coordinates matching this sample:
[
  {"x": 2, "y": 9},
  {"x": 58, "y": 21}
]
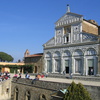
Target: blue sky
[{"x": 28, "y": 24}]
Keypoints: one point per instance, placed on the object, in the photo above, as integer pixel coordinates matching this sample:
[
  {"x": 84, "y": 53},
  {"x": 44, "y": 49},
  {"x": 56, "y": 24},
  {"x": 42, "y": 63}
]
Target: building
[
  {"x": 5, "y": 66},
  {"x": 35, "y": 59},
  {"x": 74, "y": 47}
]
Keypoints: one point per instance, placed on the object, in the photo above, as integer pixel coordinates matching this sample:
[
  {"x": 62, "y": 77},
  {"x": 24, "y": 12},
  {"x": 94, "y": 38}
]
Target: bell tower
[{"x": 26, "y": 53}]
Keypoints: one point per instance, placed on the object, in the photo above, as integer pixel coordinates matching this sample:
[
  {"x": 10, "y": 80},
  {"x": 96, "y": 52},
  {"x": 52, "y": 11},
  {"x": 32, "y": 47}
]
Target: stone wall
[
  {"x": 89, "y": 28},
  {"x": 44, "y": 90},
  {"x": 5, "y": 90}
]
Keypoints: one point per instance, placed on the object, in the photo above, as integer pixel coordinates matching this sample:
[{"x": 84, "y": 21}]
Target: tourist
[
  {"x": 20, "y": 75},
  {"x": 46, "y": 75},
  {"x": 91, "y": 71},
  {"x": 15, "y": 76},
  {"x": 64, "y": 72},
  {"x": 71, "y": 74},
  {"x": 27, "y": 76},
  {"x": 35, "y": 79}
]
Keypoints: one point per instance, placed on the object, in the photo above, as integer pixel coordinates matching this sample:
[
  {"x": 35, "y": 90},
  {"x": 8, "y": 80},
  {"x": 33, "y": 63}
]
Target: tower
[{"x": 26, "y": 53}]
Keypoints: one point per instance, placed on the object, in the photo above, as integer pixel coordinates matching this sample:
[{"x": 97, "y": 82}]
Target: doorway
[
  {"x": 67, "y": 66},
  {"x": 90, "y": 66},
  {"x": 35, "y": 71}
]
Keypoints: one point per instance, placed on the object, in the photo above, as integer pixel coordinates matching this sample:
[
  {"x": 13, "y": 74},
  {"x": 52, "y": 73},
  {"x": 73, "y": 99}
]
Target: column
[
  {"x": 98, "y": 66},
  {"x": 84, "y": 65},
  {"x": 73, "y": 65},
  {"x": 53, "y": 65},
  {"x": 95, "y": 65},
  {"x": 62, "y": 65},
  {"x": 45, "y": 65},
  {"x": 69, "y": 37}
]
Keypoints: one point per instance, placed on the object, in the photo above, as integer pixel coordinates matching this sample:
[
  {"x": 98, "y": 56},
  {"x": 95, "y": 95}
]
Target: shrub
[{"x": 77, "y": 92}]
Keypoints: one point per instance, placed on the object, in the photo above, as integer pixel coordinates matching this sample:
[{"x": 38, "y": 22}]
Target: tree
[
  {"x": 77, "y": 92},
  {"x": 5, "y": 57}
]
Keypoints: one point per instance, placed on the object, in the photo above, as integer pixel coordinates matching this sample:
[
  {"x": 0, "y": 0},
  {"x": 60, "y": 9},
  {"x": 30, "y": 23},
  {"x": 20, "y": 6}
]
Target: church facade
[{"x": 75, "y": 47}]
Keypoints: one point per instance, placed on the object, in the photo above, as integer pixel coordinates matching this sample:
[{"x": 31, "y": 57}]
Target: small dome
[{"x": 93, "y": 21}]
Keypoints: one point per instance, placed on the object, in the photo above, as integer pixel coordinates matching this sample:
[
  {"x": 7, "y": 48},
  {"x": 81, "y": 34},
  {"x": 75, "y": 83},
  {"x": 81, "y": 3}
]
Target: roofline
[
  {"x": 90, "y": 22},
  {"x": 35, "y": 55},
  {"x": 68, "y": 13}
]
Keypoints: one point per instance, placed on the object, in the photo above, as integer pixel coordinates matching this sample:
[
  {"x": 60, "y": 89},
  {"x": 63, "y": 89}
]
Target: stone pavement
[{"x": 84, "y": 82}]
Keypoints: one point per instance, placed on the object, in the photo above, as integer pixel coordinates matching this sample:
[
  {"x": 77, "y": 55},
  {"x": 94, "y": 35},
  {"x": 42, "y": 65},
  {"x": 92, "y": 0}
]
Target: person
[
  {"x": 8, "y": 75},
  {"x": 27, "y": 76},
  {"x": 91, "y": 71},
  {"x": 71, "y": 74},
  {"x": 19, "y": 75},
  {"x": 46, "y": 75},
  {"x": 15, "y": 76},
  {"x": 64, "y": 72},
  {"x": 35, "y": 79}
]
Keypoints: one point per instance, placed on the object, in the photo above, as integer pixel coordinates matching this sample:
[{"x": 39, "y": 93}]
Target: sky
[{"x": 28, "y": 24}]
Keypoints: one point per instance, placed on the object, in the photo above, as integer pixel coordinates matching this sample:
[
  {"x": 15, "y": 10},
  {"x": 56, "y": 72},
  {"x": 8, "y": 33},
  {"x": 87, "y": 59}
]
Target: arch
[
  {"x": 42, "y": 97},
  {"x": 48, "y": 55},
  {"x": 91, "y": 61},
  {"x": 78, "y": 52},
  {"x": 16, "y": 94},
  {"x": 67, "y": 53},
  {"x": 91, "y": 51},
  {"x": 57, "y": 54},
  {"x": 27, "y": 95}
]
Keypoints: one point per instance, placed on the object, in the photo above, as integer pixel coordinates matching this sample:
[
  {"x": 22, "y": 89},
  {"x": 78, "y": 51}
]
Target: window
[
  {"x": 67, "y": 38},
  {"x": 67, "y": 29}
]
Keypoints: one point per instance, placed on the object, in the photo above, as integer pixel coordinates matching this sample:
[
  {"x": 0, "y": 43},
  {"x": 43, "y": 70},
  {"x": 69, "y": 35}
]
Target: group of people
[
  {"x": 19, "y": 75},
  {"x": 4, "y": 76},
  {"x": 27, "y": 76}
]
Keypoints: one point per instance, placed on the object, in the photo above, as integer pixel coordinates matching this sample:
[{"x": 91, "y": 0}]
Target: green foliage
[
  {"x": 77, "y": 92},
  {"x": 14, "y": 68},
  {"x": 5, "y": 57},
  {"x": 28, "y": 68}
]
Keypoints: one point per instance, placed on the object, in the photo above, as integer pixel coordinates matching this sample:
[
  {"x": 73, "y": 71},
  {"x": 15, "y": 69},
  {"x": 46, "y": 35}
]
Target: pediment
[
  {"x": 69, "y": 18},
  {"x": 50, "y": 42}
]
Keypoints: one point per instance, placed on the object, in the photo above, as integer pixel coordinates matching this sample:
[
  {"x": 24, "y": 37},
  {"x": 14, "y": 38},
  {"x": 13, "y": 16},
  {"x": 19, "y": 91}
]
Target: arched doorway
[
  {"x": 91, "y": 61},
  {"x": 66, "y": 57},
  {"x": 35, "y": 69}
]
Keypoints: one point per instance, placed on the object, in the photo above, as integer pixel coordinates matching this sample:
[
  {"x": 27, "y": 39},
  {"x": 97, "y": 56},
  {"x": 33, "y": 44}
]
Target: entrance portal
[
  {"x": 67, "y": 66},
  {"x": 90, "y": 67}
]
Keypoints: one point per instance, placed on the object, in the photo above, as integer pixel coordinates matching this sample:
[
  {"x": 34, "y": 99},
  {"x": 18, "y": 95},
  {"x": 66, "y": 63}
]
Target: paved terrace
[{"x": 85, "y": 80}]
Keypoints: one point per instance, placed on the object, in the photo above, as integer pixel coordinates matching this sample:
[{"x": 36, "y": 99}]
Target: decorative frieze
[{"x": 68, "y": 19}]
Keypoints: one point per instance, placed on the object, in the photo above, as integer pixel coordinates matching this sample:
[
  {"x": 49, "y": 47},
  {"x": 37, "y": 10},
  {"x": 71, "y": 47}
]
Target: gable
[
  {"x": 51, "y": 42},
  {"x": 68, "y": 19}
]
